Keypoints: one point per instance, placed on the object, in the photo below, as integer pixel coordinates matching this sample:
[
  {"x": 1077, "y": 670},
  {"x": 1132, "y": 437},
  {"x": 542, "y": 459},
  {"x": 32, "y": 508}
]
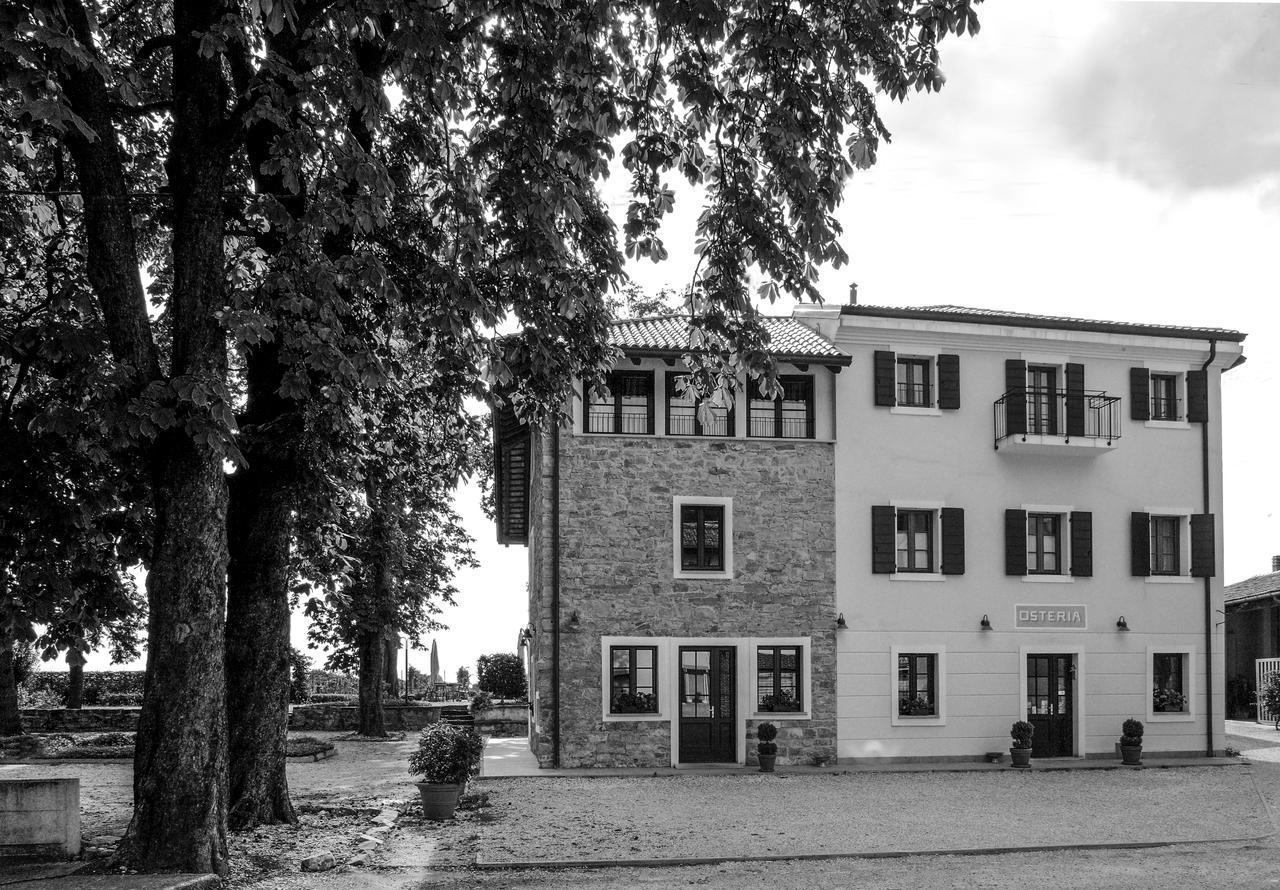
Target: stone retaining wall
[
  {"x": 81, "y": 720},
  {"x": 505, "y": 721}
]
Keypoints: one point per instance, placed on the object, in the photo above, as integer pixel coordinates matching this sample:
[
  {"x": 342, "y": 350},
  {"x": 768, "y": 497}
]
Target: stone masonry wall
[{"x": 616, "y": 570}]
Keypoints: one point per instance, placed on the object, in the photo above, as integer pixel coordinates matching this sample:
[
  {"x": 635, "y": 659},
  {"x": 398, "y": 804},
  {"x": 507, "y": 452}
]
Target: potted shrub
[
  {"x": 1020, "y": 753},
  {"x": 447, "y": 756},
  {"x": 766, "y": 747},
  {"x": 1131, "y": 743}
]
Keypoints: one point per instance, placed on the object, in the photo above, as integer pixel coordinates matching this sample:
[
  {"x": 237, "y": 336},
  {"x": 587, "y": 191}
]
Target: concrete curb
[{"x": 679, "y": 861}]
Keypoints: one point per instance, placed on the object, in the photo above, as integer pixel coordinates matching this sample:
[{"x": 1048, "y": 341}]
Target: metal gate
[{"x": 1263, "y": 669}]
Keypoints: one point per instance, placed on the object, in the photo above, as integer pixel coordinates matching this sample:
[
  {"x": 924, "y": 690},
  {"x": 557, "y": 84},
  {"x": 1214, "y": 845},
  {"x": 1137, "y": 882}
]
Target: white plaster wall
[{"x": 884, "y": 457}]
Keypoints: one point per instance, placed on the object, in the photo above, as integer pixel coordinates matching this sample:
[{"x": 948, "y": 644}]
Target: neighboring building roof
[
  {"x": 668, "y": 335},
  {"x": 1024, "y": 320},
  {"x": 1259, "y": 587}
]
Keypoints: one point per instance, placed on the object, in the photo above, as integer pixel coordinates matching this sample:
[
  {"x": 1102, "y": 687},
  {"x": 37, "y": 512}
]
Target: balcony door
[{"x": 1042, "y": 400}]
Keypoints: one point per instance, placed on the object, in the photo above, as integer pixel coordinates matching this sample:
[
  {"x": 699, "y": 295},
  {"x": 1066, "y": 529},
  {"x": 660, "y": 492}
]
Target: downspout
[
  {"x": 555, "y": 596},
  {"x": 1208, "y": 582}
]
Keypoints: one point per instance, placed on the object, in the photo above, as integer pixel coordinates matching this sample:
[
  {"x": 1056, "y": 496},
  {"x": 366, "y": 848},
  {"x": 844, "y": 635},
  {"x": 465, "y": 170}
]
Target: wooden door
[
  {"x": 708, "y": 706},
  {"x": 1051, "y": 704}
]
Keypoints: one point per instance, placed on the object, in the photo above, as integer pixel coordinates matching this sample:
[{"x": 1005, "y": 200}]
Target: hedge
[{"x": 97, "y": 684}]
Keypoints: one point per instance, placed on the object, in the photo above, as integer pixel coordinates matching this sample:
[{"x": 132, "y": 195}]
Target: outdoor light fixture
[
  {"x": 985, "y": 623},
  {"x": 1122, "y": 624},
  {"x": 573, "y": 619},
  {"x": 840, "y": 623}
]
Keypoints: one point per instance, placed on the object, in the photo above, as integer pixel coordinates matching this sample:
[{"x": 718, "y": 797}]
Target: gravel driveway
[{"x": 548, "y": 820}]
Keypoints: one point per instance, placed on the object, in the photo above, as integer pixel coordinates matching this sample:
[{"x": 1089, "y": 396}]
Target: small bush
[
  {"x": 305, "y": 745},
  {"x": 121, "y": 699},
  {"x": 1021, "y": 733},
  {"x": 766, "y": 733},
  {"x": 94, "y": 752},
  {"x": 447, "y": 755},
  {"x": 502, "y": 674},
  {"x": 481, "y": 701},
  {"x": 332, "y": 698},
  {"x": 105, "y": 739},
  {"x": 1132, "y": 736},
  {"x": 1269, "y": 696}
]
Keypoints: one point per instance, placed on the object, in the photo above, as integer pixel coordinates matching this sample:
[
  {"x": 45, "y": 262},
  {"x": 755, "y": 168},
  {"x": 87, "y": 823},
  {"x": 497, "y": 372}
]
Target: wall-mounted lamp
[
  {"x": 573, "y": 620},
  {"x": 841, "y": 624},
  {"x": 1122, "y": 624},
  {"x": 985, "y": 623}
]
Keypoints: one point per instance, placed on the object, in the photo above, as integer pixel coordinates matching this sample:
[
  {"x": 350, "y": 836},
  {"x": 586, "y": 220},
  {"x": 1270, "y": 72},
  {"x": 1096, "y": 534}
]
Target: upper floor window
[
  {"x": 633, "y": 683},
  {"x": 790, "y": 416},
  {"x": 627, "y": 409},
  {"x": 702, "y": 538},
  {"x": 1044, "y": 544},
  {"x": 682, "y": 413},
  {"x": 915, "y": 541},
  {"x": 1164, "y": 397},
  {"x": 914, "y": 378},
  {"x": 1166, "y": 545},
  {"x": 778, "y": 678}
]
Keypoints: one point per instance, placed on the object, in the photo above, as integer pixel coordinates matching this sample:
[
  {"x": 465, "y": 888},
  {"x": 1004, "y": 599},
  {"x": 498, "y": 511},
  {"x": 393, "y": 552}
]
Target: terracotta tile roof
[
  {"x": 1022, "y": 319},
  {"x": 1258, "y": 587},
  {"x": 669, "y": 334}
]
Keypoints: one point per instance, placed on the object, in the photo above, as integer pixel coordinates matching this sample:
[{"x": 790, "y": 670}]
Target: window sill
[
  {"x": 1048, "y": 579},
  {"x": 1167, "y": 425},
  {"x": 775, "y": 716},
  {"x": 635, "y": 718},
  {"x": 1170, "y": 717},
  {"x": 917, "y": 576},
  {"x": 702, "y": 576},
  {"x": 1169, "y": 579},
  {"x": 906, "y": 720},
  {"x": 916, "y": 411}
]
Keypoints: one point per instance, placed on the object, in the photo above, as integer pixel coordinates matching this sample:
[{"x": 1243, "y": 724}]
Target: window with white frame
[
  {"x": 1166, "y": 545},
  {"x": 1169, "y": 683},
  {"x": 1044, "y": 543},
  {"x": 703, "y": 537},
  {"x": 918, "y": 685},
  {"x": 1165, "y": 400},
  {"x": 914, "y": 381},
  {"x": 778, "y": 674},
  {"x": 915, "y": 540}
]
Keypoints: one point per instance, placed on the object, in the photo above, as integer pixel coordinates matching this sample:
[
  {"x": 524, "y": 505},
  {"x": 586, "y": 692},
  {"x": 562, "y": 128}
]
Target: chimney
[
  {"x": 853, "y": 293},
  {"x": 1275, "y": 563}
]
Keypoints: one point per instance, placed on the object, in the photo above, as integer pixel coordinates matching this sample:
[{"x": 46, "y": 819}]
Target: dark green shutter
[
  {"x": 1015, "y": 542},
  {"x": 1139, "y": 394},
  {"x": 1015, "y": 398},
  {"x": 1198, "y": 396},
  {"x": 884, "y": 536},
  {"x": 885, "y": 372},
  {"x": 1203, "y": 563},
  {"x": 952, "y": 541},
  {"x": 1075, "y": 399},
  {"x": 1140, "y": 544},
  {"x": 949, "y": 382},
  {"x": 1081, "y": 544}
]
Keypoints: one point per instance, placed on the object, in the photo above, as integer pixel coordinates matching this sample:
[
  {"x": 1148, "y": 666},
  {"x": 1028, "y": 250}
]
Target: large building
[{"x": 950, "y": 520}]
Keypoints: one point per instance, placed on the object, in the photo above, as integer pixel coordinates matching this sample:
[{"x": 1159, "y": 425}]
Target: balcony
[{"x": 1039, "y": 421}]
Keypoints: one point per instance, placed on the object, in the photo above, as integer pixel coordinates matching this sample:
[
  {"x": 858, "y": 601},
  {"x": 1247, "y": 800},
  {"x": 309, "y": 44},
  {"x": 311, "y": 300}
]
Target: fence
[{"x": 1264, "y": 668}]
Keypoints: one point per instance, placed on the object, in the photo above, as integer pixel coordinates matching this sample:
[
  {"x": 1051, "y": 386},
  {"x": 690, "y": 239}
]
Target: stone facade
[{"x": 616, "y": 499}]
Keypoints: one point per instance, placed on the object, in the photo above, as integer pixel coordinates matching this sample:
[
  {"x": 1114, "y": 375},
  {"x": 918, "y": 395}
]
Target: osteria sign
[{"x": 1050, "y": 617}]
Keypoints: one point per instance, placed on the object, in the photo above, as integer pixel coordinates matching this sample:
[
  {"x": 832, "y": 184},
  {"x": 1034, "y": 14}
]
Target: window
[
  {"x": 633, "y": 680},
  {"x": 1166, "y": 546},
  {"x": 1168, "y": 692},
  {"x": 914, "y": 382},
  {"x": 915, "y": 541},
  {"x": 682, "y": 414},
  {"x": 1044, "y": 544},
  {"x": 702, "y": 538},
  {"x": 917, "y": 684},
  {"x": 1042, "y": 400},
  {"x": 1164, "y": 397},
  {"x": 778, "y": 678},
  {"x": 790, "y": 416},
  {"x": 628, "y": 407}
]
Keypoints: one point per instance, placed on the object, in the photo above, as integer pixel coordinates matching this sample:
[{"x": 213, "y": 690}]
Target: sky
[{"x": 1105, "y": 159}]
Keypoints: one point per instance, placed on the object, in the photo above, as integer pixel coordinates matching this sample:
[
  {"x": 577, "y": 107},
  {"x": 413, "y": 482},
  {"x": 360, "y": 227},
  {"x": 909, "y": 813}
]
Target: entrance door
[
  {"x": 708, "y": 725},
  {"x": 1050, "y": 700}
]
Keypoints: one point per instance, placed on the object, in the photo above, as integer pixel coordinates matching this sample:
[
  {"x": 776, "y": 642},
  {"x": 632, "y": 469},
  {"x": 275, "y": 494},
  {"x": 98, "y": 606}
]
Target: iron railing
[{"x": 1046, "y": 412}]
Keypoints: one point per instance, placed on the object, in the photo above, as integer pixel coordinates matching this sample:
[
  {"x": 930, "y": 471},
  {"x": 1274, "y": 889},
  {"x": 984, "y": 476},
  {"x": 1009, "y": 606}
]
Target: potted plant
[
  {"x": 783, "y": 701},
  {"x": 1131, "y": 743},
  {"x": 766, "y": 747},
  {"x": 447, "y": 756},
  {"x": 1020, "y": 753},
  {"x": 1168, "y": 701}
]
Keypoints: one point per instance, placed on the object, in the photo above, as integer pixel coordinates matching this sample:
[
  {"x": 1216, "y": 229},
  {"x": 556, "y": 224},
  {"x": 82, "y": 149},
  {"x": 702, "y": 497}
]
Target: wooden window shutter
[
  {"x": 1081, "y": 544},
  {"x": 884, "y": 550},
  {"x": 952, "y": 541},
  {"x": 1015, "y": 399},
  {"x": 1140, "y": 544},
  {"x": 885, "y": 374},
  {"x": 1198, "y": 396},
  {"x": 949, "y": 382},
  {"x": 1139, "y": 394},
  {"x": 650, "y": 405},
  {"x": 1075, "y": 399},
  {"x": 1203, "y": 549},
  {"x": 1015, "y": 542}
]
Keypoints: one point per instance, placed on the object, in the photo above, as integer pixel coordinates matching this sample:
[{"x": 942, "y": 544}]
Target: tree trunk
[
  {"x": 372, "y": 657},
  {"x": 259, "y": 532},
  {"x": 10, "y": 716},
  {"x": 180, "y": 766},
  {"x": 75, "y": 679}
]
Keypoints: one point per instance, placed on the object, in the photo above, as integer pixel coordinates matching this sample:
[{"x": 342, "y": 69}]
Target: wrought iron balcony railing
[{"x": 1092, "y": 416}]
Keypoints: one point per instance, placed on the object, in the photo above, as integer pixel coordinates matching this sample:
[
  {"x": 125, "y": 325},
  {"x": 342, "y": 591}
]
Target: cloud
[{"x": 1180, "y": 96}]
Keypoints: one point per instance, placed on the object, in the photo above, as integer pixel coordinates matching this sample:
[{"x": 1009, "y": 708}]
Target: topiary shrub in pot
[
  {"x": 447, "y": 756},
  {"x": 1021, "y": 733},
  {"x": 1131, "y": 743},
  {"x": 766, "y": 747}
]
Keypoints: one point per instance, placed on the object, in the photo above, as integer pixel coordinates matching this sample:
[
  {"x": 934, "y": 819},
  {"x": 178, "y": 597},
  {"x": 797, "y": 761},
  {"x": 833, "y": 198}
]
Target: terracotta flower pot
[
  {"x": 438, "y": 801},
  {"x": 1021, "y": 757}
]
